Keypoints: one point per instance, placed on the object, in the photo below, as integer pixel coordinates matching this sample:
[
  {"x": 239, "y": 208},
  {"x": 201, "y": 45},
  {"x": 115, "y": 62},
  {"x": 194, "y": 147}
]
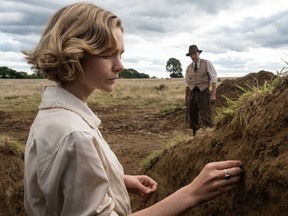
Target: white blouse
[{"x": 69, "y": 168}]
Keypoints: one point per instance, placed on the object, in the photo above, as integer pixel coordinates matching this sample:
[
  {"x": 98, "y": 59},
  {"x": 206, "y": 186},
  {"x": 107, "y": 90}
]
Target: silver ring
[{"x": 226, "y": 174}]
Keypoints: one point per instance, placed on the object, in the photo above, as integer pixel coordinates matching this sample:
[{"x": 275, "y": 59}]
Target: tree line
[
  {"x": 8, "y": 73},
  {"x": 173, "y": 67}
]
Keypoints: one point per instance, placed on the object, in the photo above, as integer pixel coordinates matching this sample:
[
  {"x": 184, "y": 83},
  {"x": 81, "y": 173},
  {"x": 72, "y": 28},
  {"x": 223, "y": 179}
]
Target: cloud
[{"x": 235, "y": 35}]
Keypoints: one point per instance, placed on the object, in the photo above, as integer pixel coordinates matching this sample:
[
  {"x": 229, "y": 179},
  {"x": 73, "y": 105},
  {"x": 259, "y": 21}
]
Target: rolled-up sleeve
[
  {"x": 75, "y": 181},
  {"x": 212, "y": 72},
  {"x": 186, "y": 78}
]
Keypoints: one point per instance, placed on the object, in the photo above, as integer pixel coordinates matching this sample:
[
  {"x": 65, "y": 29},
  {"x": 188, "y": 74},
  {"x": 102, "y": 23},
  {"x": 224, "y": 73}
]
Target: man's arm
[
  {"x": 186, "y": 95},
  {"x": 213, "y": 93},
  {"x": 213, "y": 79}
]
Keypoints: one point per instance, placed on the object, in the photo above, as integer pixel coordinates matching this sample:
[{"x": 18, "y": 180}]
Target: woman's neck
[{"x": 77, "y": 89}]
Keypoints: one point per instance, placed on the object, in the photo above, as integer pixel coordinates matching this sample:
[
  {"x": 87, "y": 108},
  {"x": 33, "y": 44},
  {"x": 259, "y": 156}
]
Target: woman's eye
[{"x": 108, "y": 56}]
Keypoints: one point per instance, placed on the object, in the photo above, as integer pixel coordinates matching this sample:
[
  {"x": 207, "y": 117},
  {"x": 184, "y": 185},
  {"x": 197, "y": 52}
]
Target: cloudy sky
[{"x": 237, "y": 36}]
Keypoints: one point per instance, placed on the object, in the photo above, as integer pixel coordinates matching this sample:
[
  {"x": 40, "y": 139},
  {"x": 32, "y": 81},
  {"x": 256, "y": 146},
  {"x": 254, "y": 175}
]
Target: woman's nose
[{"x": 118, "y": 67}]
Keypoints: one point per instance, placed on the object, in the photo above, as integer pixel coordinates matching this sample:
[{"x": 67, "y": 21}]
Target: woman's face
[{"x": 101, "y": 72}]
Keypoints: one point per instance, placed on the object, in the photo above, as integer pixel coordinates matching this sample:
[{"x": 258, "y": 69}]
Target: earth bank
[{"x": 261, "y": 143}]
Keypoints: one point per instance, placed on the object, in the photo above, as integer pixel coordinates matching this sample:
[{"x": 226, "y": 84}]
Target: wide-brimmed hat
[{"x": 193, "y": 48}]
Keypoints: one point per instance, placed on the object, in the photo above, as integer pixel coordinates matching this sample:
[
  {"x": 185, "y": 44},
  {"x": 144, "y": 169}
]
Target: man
[{"x": 200, "y": 74}]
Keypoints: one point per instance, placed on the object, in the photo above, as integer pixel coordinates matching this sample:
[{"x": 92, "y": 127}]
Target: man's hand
[{"x": 213, "y": 98}]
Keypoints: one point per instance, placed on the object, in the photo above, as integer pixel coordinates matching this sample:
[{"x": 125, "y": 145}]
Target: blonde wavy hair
[{"x": 72, "y": 33}]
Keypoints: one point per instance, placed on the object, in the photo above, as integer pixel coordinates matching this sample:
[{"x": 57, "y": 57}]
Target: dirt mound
[
  {"x": 229, "y": 88},
  {"x": 11, "y": 181},
  {"x": 261, "y": 143}
]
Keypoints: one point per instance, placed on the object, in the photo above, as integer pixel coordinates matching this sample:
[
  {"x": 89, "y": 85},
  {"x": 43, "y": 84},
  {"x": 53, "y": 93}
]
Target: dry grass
[
  {"x": 142, "y": 92},
  {"x": 20, "y": 95},
  {"x": 25, "y": 95},
  {"x": 10, "y": 146},
  {"x": 21, "y": 87}
]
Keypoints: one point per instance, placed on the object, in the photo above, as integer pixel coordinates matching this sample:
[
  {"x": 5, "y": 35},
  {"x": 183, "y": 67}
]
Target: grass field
[{"x": 25, "y": 94}]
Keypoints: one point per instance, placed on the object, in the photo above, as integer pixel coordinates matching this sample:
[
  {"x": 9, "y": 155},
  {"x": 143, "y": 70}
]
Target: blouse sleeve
[{"x": 76, "y": 181}]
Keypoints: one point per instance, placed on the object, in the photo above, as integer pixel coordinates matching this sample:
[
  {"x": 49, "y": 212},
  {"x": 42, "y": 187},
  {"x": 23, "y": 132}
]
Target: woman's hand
[
  {"x": 215, "y": 179},
  {"x": 141, "y": 185}
]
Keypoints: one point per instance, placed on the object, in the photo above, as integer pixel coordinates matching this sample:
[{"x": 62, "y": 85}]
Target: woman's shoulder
[{"x": 60, "y": 120}]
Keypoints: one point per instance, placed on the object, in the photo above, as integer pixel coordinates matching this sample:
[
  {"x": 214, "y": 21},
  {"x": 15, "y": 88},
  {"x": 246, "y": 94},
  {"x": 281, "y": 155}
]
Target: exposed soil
[
  {"x": 134, "y": 133},
  {"x": 261, "y": 143}
]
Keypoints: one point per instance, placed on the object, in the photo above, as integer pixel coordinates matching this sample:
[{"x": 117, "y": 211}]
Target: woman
[{"x": 69, "y": 168}]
